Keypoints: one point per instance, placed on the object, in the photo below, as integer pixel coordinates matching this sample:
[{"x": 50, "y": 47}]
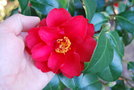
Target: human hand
[{"x": 17, "y": 71}]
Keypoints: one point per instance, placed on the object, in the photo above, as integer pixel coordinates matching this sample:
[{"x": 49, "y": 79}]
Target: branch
[
  {"x": 113, "y": 10},
  {"x": 128, "y": 81}
]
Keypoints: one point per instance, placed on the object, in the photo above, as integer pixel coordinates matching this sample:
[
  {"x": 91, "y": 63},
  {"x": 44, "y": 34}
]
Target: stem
[
  {"x": 125, "y": 61},
  {"x": 97, "y": 31},
  {"x": 113, "y": 10},
  {"x": 125, "y": 78},
  {"x": 103, "y": 82},
  {"x": 128, "y": 81},
  {"x": 130, "y": 84},
  {"x": 112, "y": 22}
]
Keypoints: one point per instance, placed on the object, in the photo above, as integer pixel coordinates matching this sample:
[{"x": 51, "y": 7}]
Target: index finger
[{"x": 18, "y": 23}]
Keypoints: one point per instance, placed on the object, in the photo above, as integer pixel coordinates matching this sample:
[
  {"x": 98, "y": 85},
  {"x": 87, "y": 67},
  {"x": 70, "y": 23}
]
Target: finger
[
  {"x": 23, "y": 35},
  {"x": 17, "y": 23}
]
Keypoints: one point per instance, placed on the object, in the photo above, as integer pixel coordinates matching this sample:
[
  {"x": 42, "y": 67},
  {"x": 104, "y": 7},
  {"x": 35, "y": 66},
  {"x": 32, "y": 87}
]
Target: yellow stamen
[{"x": 64, "y": 45}]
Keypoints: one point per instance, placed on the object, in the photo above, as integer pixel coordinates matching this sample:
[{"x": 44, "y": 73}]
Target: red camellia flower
[{"x": 61, "y": 43}]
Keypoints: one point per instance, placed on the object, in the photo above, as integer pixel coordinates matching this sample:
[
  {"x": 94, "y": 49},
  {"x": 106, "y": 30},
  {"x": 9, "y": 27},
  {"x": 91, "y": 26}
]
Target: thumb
[{"x": 18, "y": 23}]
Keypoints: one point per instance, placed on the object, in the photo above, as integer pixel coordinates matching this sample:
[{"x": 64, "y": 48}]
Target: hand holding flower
[{"x": 17, "y": 71}]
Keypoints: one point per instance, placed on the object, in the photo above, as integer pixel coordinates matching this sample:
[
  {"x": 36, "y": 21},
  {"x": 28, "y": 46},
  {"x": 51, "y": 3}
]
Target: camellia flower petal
[
  {"x": 90, "y": 30},
  {"x": 41, "y": 52},
  {"x": 33, "y": 38},
  {"x": 48, "y": 34},
  {"x": 55, "y": 61},
  {"x": 57, "y": 16},
  {"x": 76, "y": 27},
  {"x": 61, "y": 43},
  {"x": 86, "y": 49},
  {"x": 72, "y": 65},
  {"x": 43, "y": 22},
  {"x": 42, "y": 66}
]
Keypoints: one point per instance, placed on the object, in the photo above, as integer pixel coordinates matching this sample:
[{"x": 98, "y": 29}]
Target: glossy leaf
[
  {"x": 27, "y": 11},
  {"x": 79, "y": 10},
  {"x": 127, "y": 37},
  {"x": 100, "y": 4},
  {"x": 71, "y": 83},
  {"x": 126, "y": 21},
  {"x": 109, "y": 10},
  {"x": 23, "y": 4},
  {"x": 116, "y": 42},
  {"x": 122, "y": 7},
  {"x": 44, "y": 6},
  {"x": 119, "y": 86},
  {"x": 103, "y": 54},
  {"x": 54, "y": 84},
  {"x": 83, "y": 82},
  {"x": 71, "y": 7},
  {"x": 99, "y": 19},
  {"x": 63, "y": 3},
  {"x": 90, "y": 8},
  {"x": 129, "y": 15},
  {"x": 130, "y": 66},
  {"x": 114, "y": 70}
]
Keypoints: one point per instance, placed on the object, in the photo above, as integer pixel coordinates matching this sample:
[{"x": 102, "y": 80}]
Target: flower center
[{"x": 63, "y": 45}]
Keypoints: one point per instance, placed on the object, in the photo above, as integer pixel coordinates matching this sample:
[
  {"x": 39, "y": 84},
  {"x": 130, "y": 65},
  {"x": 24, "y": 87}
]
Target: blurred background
[{"x": 6, "y": 6}]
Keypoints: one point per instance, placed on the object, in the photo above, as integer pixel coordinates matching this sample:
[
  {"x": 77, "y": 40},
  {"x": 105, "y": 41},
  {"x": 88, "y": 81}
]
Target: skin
[{"x": 17, "y": 71}]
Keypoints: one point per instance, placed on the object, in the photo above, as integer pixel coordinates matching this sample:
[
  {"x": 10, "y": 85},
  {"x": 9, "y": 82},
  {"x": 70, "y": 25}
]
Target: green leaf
[
  {"x": 133, "y": 1},
  {"x": 127, "y": 37},
  {"x": 103, "y": 54},
  {"x": 131, "y": 89},
  {"x": 126, "y": 21},
  {"x": 116, "y": 42},
  {"x": 122, "y": 7},
  {"x": 79, "y": 10},
  {"x": 113, "y": 71},
  {"x": 63, "y": 3},
  {"x": 83, "y": 82},
  {"x": 99, "y": 19},
  {"x": 54, "y": 84},
  {"x": 67, "y": 4},
  {"x": 23, "y": 4},
  {"x": 96, "y": 86},
  {"x": 44, "y": 6},
  {"x": 100, "y": 4},
  {"x": 71, "y": 83},
  {"x": 90, "y": 8},
  {"x": 119, "y": 86},
  {"x": 130, "y": 66},
  {"x": 27, "y": 11},
  {"x": 129, "y": 15},
  {"x": 109, "y": 10},
  {"x": 71, "y": 7}
]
